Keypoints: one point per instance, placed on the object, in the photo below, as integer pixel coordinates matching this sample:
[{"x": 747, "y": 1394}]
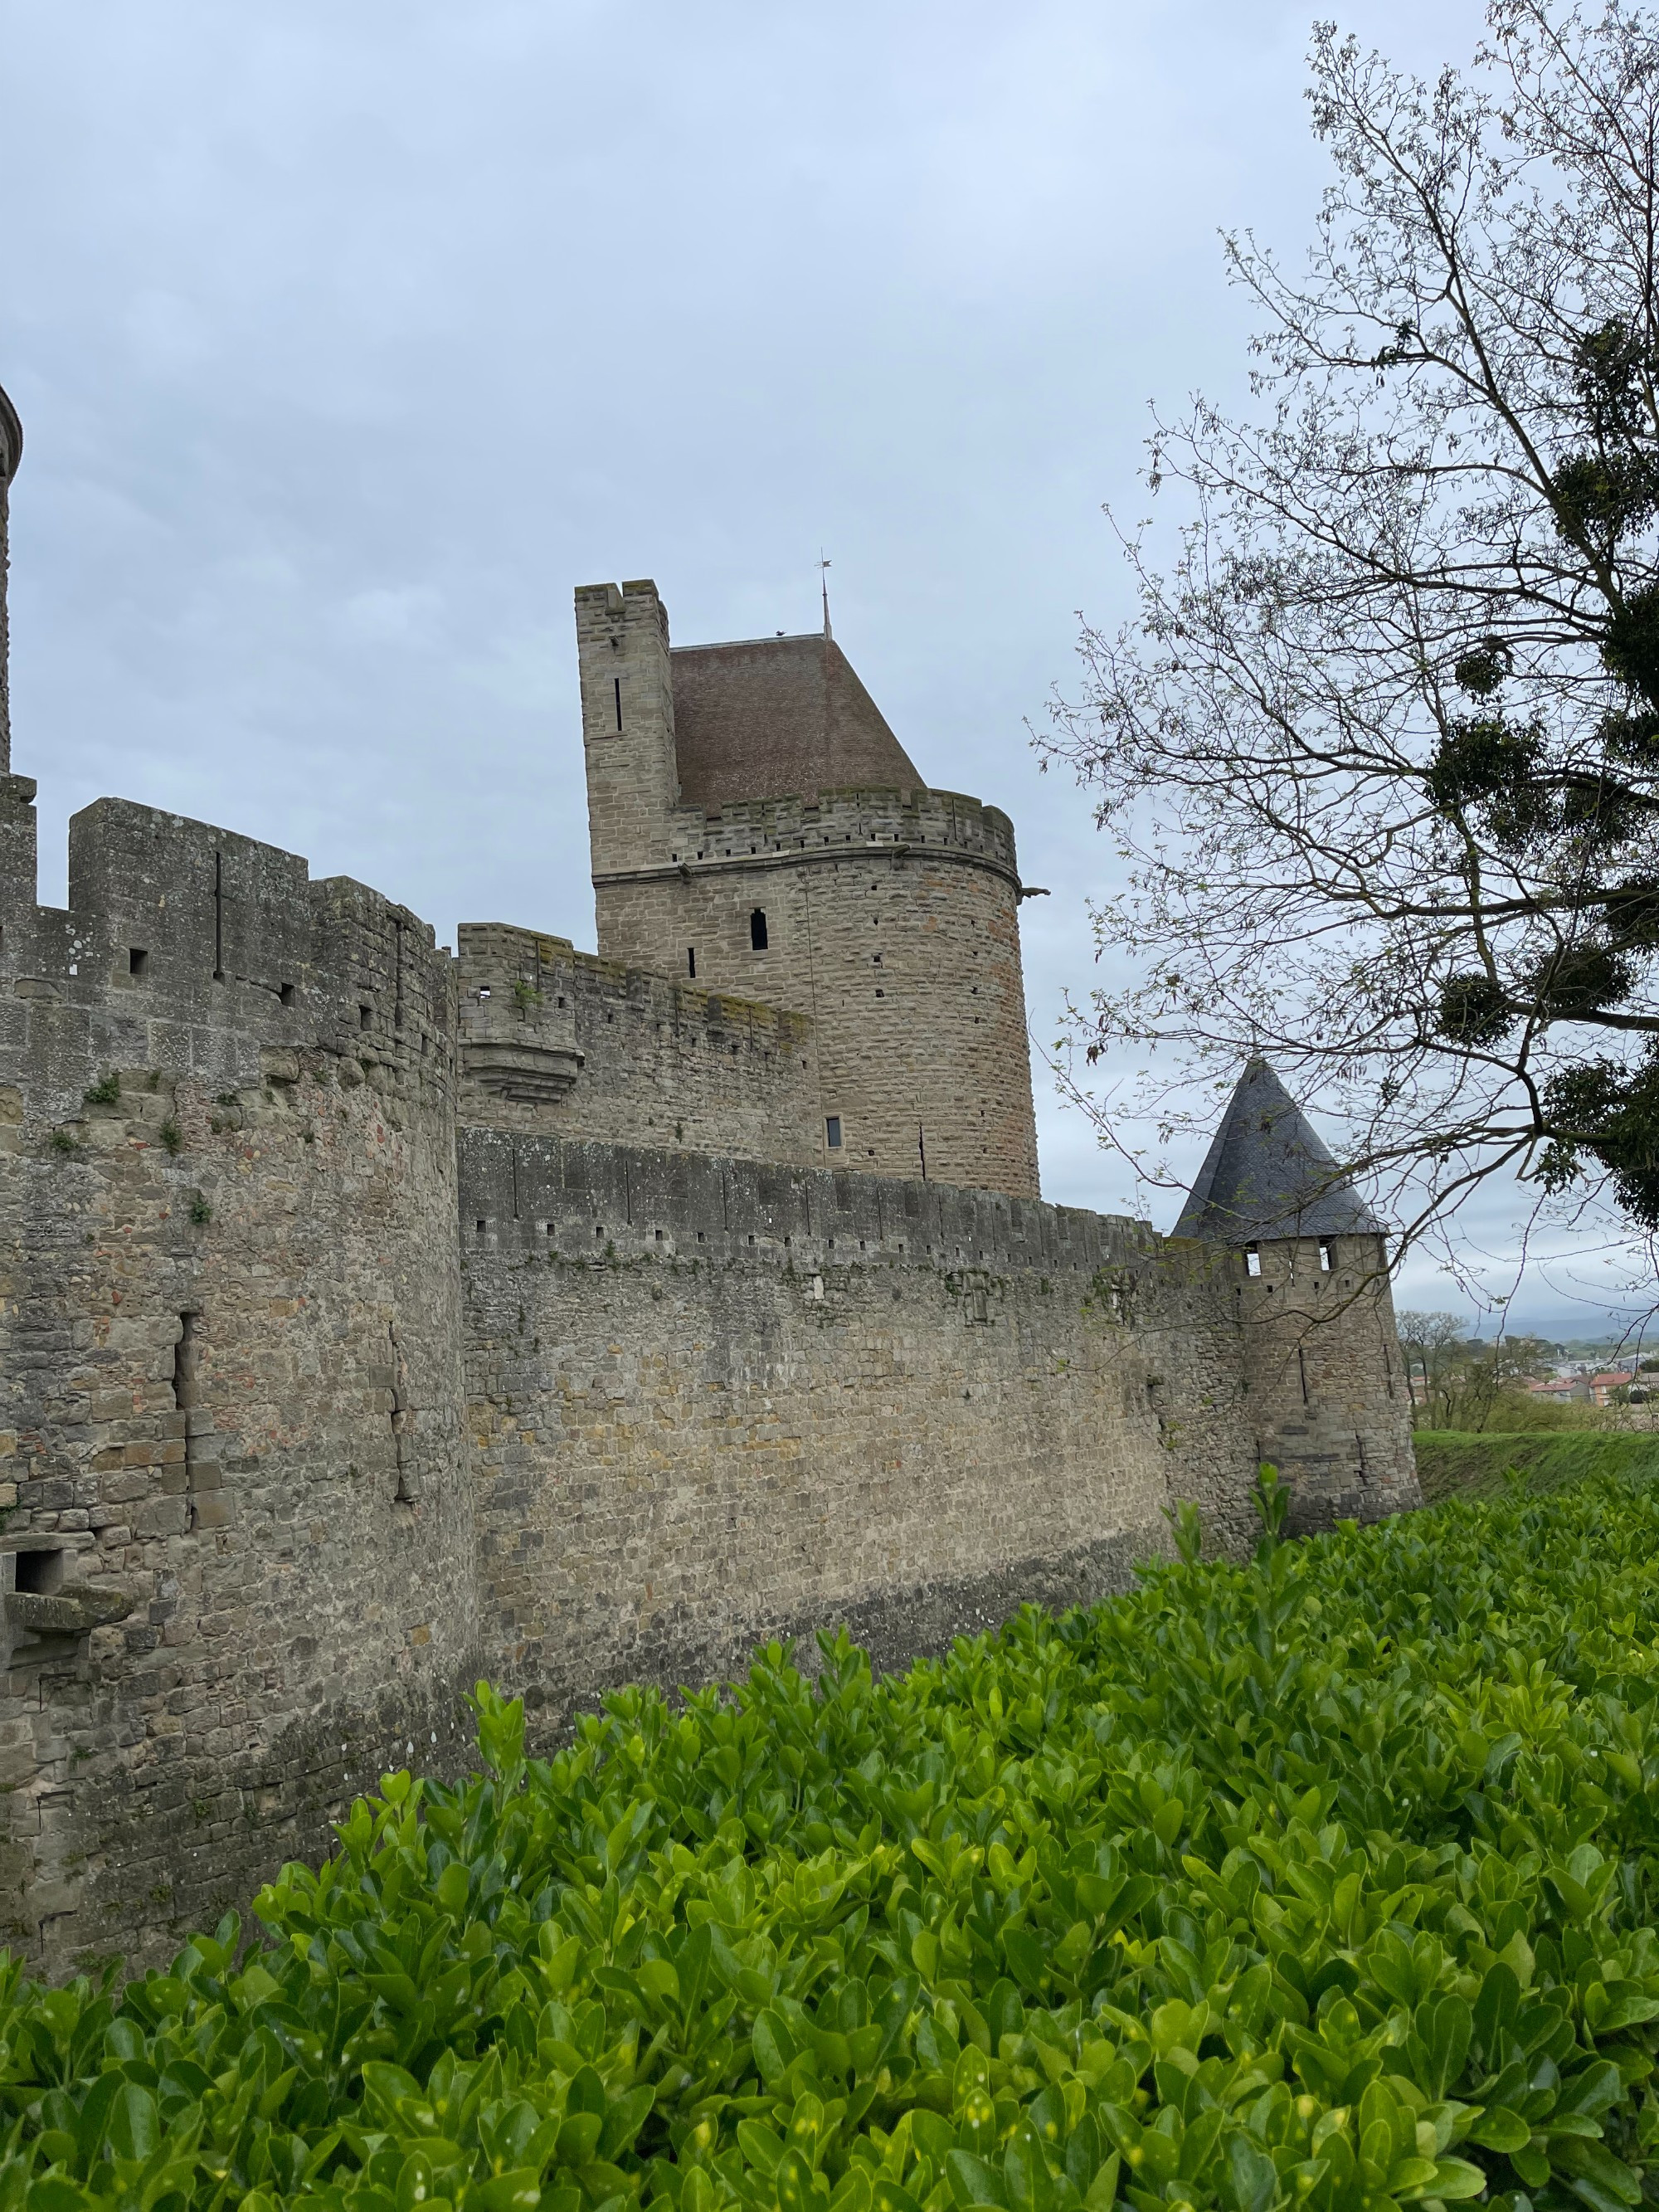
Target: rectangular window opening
[
  {"x": 616, "y": 685},
  {"x": 1327, "y": 1255},
  {"x": 286, "y": 995},
  {"x": 691, "y": 962},
  {"x": 832, "y": 1132},
  {"x": 1253, "y": 1258},
  {"x": 138, "y": 960},
  {"x": 365, "y": 1016},
  {"x": 41, "y": 1571},
  {"x": 757, "y": 930}
]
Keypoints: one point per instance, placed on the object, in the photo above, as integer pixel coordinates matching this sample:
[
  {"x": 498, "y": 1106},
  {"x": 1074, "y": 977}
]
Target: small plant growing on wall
[
  {"x": 63, "y": 1143},
  {"x": 526, "y": 994},
  {"x": 106, "y": 1091},
  {"x": 200, "y": 1212},
  {"x": 173, "y": 1138}
]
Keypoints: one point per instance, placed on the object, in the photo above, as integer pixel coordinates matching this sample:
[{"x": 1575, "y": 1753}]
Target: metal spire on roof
[{"x": 823, "y": 580}]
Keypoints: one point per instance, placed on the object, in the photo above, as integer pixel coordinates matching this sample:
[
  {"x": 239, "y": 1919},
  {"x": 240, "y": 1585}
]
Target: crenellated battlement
[
  {"x": 562, "y": 1043},
  {"x": 192, "y": 949},
  {"x": 552, "y": 1199},
  {"x": 913, "y": 822}
]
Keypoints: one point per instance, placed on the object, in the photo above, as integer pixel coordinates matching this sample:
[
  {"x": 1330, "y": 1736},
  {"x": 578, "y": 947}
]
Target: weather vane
[{"x": 824, "y": 580}]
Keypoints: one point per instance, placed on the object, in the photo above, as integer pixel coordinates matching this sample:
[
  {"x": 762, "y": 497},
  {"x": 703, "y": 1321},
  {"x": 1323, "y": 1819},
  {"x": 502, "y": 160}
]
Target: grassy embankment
[{"x": 1453, "y": 1462}]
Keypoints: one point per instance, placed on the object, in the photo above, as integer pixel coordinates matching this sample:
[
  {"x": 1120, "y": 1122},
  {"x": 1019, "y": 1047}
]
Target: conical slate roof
[{"x": 1266, "y": 1174}]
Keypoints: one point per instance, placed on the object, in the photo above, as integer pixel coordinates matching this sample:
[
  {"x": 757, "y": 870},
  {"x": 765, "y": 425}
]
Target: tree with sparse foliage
[
  {"x": 1381, "y": 747},
  {"x": 1429, "y": 1344},
  {"x": 1471, "y": 1383}
]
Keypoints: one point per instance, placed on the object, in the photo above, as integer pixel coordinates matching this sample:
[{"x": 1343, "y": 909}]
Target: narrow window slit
[
  {"x": 403, "y": 1422},
  {"x": 186, "y": 1381}
]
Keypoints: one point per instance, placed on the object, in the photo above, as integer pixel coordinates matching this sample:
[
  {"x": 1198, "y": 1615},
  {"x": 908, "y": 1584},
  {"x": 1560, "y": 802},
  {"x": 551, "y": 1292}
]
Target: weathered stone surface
[
  {"x": 372, "y": 1320},
  {"x": 69, "y": 1611}
]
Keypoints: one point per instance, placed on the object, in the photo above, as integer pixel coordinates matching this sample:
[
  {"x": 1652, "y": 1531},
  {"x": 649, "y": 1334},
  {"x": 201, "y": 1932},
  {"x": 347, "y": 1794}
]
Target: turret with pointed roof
[
  {"x": 1325, "y": 1388},
  {"x": 1268, "y": 1175}
]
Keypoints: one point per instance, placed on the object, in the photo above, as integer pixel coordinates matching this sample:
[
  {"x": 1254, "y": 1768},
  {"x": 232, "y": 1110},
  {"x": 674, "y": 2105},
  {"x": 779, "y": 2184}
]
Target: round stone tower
[{"x": 758, "y": 831}]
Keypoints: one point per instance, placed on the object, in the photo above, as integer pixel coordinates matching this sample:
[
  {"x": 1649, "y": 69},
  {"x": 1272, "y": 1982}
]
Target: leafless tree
[{"x": 1380, "y": 747}]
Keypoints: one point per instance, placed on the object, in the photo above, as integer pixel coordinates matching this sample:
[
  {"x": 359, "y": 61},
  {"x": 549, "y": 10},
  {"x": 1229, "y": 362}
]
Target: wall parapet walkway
[{"x": 532, "y": 1194}]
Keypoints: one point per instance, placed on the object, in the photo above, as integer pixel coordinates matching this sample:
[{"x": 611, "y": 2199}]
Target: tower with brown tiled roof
[{"x": 757, "y": 829}]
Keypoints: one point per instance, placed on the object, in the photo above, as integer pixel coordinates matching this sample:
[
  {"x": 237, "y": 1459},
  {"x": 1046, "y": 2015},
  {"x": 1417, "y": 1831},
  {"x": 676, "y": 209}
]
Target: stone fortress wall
[
  {"x": 289, "y": 1462},
  {"x": 555, "y": 1042},
  {"x": 373, "y": 1318},
  {"x": 715, "y": 1400},
  {"x": 235, "y": 1557}
]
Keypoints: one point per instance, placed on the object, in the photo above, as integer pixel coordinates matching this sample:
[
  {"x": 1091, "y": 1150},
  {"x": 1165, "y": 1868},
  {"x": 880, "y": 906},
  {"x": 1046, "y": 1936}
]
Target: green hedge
[
  {"x": 1327, "y": 1882},
  {"x": 1450, "y": 1460}
]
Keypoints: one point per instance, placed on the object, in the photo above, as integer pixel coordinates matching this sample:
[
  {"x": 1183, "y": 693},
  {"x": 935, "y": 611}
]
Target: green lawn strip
[
  {"x": 1451, "y": 1461},
  {"x": 1326, "y": 1881}
]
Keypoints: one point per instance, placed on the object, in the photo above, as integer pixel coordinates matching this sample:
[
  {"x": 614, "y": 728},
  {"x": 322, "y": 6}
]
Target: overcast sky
[{"x": 349, "y": 339}]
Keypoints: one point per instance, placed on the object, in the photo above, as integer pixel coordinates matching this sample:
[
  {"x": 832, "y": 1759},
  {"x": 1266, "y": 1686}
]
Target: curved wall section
[
  {"x": 891, "y": 920},
  {"x": 235, "y": 1564}
]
